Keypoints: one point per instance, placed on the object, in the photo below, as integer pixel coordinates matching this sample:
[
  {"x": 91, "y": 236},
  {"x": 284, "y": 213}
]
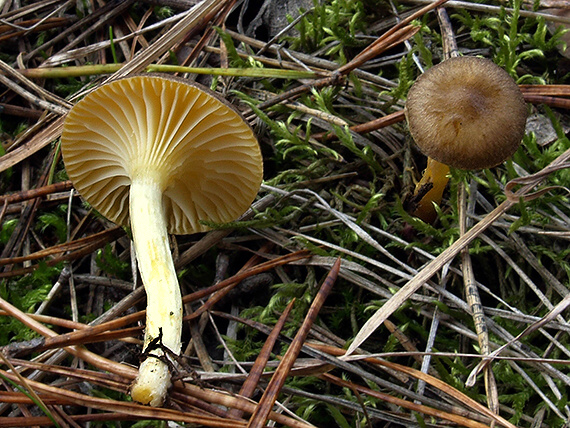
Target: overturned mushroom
[
  {"x": 161, "y": 155},
  {"x": 467, "y": 113}
]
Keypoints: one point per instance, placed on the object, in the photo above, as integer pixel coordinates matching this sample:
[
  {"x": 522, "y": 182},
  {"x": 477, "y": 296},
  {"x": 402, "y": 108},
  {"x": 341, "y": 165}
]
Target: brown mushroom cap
[
  {"x": 205, "y": 157},
  {"x": 466, "y": 112}
]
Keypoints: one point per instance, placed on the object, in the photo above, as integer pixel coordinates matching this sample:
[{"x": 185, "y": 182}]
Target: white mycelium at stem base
[{"x": 164, "y": 302}]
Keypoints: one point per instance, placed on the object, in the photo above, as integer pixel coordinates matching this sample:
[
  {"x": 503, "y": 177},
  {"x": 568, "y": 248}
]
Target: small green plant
[
  {"x": 108, "y": 262},
  {"x": 8, "y": 228},
  {"x": 511, "y": 39},
  {"x": 25, "y": 293},
  {"x": 406, "y": 75},
  {"x": 292, "y": 140},
  {"x": 54, "y": 221},
  {"x": 332, "y": 25}
]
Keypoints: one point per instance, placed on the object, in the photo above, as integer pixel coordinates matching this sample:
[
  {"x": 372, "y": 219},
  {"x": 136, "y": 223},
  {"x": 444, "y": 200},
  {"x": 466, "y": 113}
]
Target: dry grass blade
[
  {"x": 474, "y": 300},
  {"x": 8, "y": 32},
  {"x": 33, "y": 421},
  {"x": 551, "y": 95},
  {"x": 261, "y": 414},
  {"x": 35, "y": 144},
  {"x": 552, "y": 314},
  {"x": 542, "y": 174},
  {"x": 34, "y": 99},
  {"x": 38, "y": 94},
  {"x": 21, "y": 398},
  {"x": 382, "y": 44}
]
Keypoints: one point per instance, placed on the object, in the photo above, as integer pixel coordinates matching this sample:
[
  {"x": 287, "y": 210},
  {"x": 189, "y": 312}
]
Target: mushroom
[
  {"x": 467, "y": 113},
  {"x": 429, "y": 190},
  {"x": 161, "y": 155}
]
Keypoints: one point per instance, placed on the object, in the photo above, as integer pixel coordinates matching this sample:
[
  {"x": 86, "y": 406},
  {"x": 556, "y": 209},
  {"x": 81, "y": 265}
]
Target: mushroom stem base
[
  {"x": 152, "y": 383},
  {"x": 435, "y": 175}
]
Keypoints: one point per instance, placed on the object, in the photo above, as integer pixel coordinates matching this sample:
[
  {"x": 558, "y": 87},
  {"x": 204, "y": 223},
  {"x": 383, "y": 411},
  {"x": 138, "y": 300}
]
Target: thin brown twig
[{"x": 263, "y": 409}]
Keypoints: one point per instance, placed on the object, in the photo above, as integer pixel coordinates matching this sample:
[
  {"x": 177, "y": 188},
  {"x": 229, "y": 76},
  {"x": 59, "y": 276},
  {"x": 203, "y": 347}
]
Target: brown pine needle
[{"x": 261, "y": 414}]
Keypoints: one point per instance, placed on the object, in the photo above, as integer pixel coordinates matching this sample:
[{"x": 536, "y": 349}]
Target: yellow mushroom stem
[
  {"x": 164, "y": 301},
  {"x": 435, "y": 175}
]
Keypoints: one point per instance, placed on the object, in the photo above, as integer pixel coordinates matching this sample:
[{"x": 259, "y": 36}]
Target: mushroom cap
[
  {"x": 202, "y": 153},
  {"x": 466, "y": 112}
]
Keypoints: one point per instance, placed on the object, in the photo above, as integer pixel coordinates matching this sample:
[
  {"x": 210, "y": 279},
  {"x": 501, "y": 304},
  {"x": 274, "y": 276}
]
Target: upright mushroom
[
  {"x": 467, "y": 113},
  {"x": 161, "y": 155}
]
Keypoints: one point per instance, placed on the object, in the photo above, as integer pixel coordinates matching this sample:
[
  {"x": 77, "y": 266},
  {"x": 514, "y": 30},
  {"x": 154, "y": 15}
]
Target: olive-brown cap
[
  {"x": 202, "y": 153},
  {"x": 466, "y": 112}
]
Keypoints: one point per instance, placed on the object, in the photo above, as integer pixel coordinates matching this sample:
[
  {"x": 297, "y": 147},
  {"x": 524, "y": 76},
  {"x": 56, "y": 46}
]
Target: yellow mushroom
[{"x": 161, "y": 155}]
